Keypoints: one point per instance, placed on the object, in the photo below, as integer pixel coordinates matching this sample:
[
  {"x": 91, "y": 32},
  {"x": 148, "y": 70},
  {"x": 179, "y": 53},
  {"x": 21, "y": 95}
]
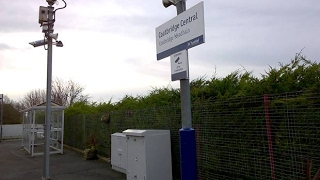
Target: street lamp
[{"x": 46, "y": 20}]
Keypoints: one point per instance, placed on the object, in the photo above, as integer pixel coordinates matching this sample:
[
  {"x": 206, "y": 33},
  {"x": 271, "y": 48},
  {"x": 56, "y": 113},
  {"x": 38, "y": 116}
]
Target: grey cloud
[
  {"x": 4, "y": 47},
  {"x": 18, "y": 15},
  {"x": 240, "y": 32},
  {"x": 259, "y": 34},
  {"x": 127, "y": 26}
]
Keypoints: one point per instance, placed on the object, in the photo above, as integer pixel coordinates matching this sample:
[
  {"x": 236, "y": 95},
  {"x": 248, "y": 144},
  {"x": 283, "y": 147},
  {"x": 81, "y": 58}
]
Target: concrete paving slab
[{"x": 17, "y": 164}]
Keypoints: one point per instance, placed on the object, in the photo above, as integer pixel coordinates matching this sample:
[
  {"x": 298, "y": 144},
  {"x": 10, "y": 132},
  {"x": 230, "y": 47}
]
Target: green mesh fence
[{"x": 261, "y": 137}]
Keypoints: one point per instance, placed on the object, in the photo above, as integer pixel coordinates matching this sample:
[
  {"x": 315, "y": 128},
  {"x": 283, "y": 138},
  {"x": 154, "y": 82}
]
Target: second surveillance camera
[
  {"x": 51, "y": 2},
  {"x": 59, "y": 44},
  {"x": 167, "y": 3}
]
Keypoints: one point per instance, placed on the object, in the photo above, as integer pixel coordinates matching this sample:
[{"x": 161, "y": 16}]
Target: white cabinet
[
  {"x": 119, "y": 152},
  {"x": 149, "y": 154}
]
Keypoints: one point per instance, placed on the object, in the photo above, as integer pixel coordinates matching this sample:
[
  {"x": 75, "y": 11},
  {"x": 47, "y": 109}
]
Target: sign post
[
  {"x": 174, "y": 38},
  {"x": 1, "y": 116}
]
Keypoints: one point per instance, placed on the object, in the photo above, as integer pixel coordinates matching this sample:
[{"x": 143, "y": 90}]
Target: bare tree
[
  {"x": 59, "y": 92},
  {"x": 75, "y": 93},
  {"x": 63, "y": 93},
  {"x": 17, "y": 105},
  {"x": 7, "y": 100},
  {"x": 67, "y": 93},
  {"x": 33, "y": 98}
]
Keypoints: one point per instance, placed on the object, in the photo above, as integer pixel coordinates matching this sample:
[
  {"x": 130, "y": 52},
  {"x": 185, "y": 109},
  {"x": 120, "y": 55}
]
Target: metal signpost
[
  {"x": 173, "y": 38},
  {"x": 1, "y": 116}
]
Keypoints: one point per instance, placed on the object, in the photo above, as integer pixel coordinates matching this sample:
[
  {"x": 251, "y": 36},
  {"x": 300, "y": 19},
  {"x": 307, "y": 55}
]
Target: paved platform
[{"x": 16, "y": 164}]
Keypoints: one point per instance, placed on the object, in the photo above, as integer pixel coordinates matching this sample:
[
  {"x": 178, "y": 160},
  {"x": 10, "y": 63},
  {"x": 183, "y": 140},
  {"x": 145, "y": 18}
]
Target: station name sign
[{"x": 182, "y": 32}]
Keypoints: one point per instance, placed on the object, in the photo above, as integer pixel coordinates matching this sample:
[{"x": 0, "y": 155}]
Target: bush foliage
[
  {"x": 299, "y": 74},
  {"x": 228, "y": 115}
]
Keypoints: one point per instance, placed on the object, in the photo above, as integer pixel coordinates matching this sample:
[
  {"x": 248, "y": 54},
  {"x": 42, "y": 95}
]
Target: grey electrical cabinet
[
  {"x": 149, "y": 154},
  {"x": 119, "y": 152}
]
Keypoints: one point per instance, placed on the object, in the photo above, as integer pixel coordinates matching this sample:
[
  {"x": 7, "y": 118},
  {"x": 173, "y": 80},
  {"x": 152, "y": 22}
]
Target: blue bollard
[{"x": 188, "y": 154}]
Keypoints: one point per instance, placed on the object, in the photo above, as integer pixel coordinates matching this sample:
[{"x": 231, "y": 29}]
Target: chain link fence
[{"x": 260, "y": 137}]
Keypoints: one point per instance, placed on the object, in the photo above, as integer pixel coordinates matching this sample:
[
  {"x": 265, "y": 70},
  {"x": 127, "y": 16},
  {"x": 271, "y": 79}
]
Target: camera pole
[{"x": 47, "y": 128}]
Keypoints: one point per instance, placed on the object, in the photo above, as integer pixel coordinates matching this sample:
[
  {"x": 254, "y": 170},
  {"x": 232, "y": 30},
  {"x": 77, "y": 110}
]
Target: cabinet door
[
  {"x": 123, "y": 152},
  {"x": 136, "y": 158},
  {"x": 115, "y": 143},
  {"x": 119, "y": 151}
]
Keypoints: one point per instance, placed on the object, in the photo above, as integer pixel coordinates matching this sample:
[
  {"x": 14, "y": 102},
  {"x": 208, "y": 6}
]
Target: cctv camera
[
  {"x": 167, "y": 3},
  {"x": 51, "y": 2},
  {"x": 59, "y": 44}
]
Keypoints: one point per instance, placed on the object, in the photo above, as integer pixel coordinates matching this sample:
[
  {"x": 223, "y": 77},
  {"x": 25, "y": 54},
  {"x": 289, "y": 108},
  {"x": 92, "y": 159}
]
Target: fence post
[
  {"x": 84, "y": 130},
  {"x": 198, "y": 144},
  {"x": 267, "y": 116}
]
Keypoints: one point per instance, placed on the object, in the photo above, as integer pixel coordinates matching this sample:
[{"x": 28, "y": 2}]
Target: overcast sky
[{"x": 110, "y": 45}]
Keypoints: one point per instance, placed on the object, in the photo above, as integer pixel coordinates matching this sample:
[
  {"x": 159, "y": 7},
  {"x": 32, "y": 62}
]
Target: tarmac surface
[{"x": 17, "y": 164}]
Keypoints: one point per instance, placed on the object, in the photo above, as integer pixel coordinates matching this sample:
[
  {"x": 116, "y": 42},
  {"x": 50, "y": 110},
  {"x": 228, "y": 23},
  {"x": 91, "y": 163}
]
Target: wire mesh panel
[
  {"x": 266, "y": 137},
  {"x": 74, "y": 131},
  {"x": 231, "y": 141},
  {"x": 260, "y": 137},
  {"x": 295, "y": 129}
]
